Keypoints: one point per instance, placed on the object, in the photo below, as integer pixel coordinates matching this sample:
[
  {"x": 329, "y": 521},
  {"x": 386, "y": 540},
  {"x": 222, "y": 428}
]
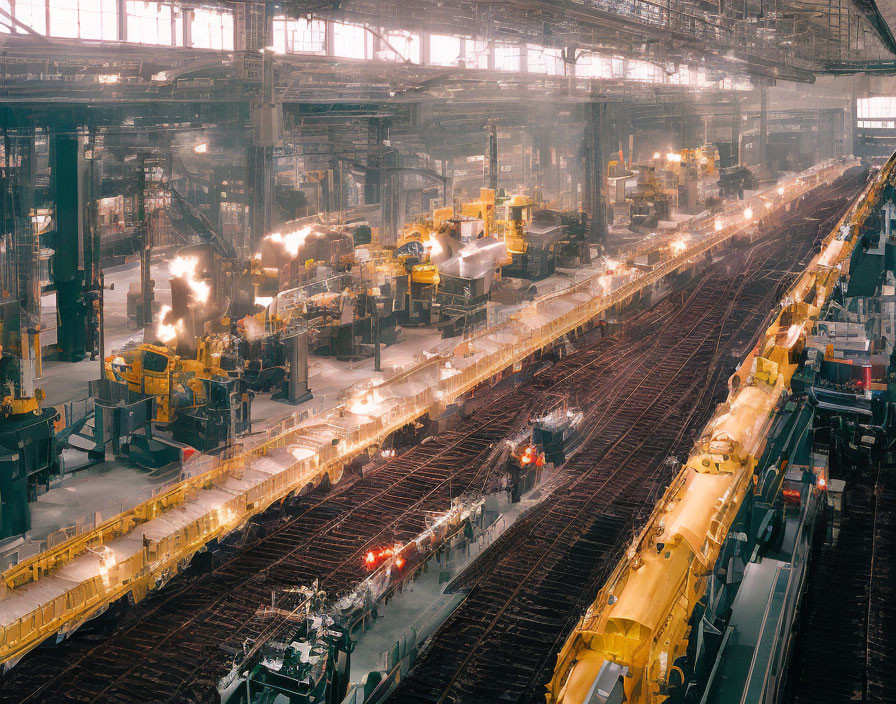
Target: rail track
[
  {"x": 176, "y": 645},
  {"x": 527, "y": 591},
  {"x": 851, "y": 601}
]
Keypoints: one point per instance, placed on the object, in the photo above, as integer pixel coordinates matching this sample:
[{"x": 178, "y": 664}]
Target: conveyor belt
[
  {"x": 527, "y": 592},
  {"x": 164, "y": 647}
]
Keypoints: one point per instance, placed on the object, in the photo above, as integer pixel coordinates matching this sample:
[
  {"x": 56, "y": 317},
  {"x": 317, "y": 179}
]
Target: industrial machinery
[
  {"x": 751, "y": 483},
  {"x": 734, "y": 180},
  {"x": 652, "y": 201},
  {"x": 197, "y": 400},
  {"x": 28, "y": 457},
  {"x": 28, "y": 450}
]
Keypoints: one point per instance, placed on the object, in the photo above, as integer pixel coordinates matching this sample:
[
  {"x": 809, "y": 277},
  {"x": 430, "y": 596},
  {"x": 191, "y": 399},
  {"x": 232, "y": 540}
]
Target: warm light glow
[
  {"x": 656, "y": 155},
  {"x": 201, "y": 148},
  {"x": 364, "y": 406},
  {"x": 768, "y": 206},
  {"x": 718, "y": 225},
  {"x": 780, "y": 190},
  {"x": 748, "y": 214},
  {"x": 672, "y": 156},
  {"x": 167, "y": 332},
  {"x": 108, "y": 78},
  {"x": 822, "y": 483},
  {"x": 185, "y": 268},
  {"x": 292, "y": 241},
  {"x": 432, "y": 244},
  {"x": 264, "y": 301},
  {"x": 679, "y": 245}
]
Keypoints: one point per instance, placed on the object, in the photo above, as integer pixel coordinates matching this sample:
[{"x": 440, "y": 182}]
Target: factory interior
[{"x": 474, "y": 352}]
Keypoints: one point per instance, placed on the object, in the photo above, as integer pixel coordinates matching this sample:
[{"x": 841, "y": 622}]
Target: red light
[
  {"x": 370, "y": 558},
  {"x": 791, "y": 496},
  {"x": 822, "y": 483},
  {"x": 399, "y": 562}
]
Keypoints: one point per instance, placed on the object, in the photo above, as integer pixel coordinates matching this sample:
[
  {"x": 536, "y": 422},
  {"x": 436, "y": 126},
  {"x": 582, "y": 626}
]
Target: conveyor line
[{"x": 139, "y": 550}]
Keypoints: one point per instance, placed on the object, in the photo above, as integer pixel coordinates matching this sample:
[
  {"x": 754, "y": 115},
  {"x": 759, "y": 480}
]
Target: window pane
[
  {"x": 154, "y": 23},
  {"x": 507, "y": 57},
  {"x": 32, "y": 13},
  {"x": 349, "y": 41},
  {"x": 541, "y": 59},
  {"x": 212, "y": 29},
  {"x": 84, "y": 19},
  {"x": 476, "y": 53},
  {"x": 407, "y": 44},
  {"x": 300, "y": 36},
  {"x": 444, "y": 50}
]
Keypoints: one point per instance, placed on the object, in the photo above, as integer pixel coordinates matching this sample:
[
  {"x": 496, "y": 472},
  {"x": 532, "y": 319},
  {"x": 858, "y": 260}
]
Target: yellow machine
[
  {"x": 640, "y": 619},
  {"x": 482, "y": 209},
  {"x": 178, "y": 384},
  {"x": 417, "y": 242},
  {"x": 704, "y": 159},
  {"x": 518, "y": 214}
]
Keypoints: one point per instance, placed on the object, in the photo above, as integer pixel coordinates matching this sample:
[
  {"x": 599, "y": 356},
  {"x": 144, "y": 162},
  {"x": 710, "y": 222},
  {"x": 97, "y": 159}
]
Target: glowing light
[
  {"x": 672, "y": 156},
  {"x": 374, "y": 557},
  {"x": 432, "y": 244},
  {"x": 185, "y": 268},
  {"x": 201, "y": 148},
  {"x": 264, "y": 301},
  {"x": 822, "y": 483},
  {"x": 780, "y": 190},
  {"x": 748, "y": 214},
  {"x": 656, "y": 155},
  {"x": 364, "y": 406},
  {"x": 108, "y": 78},
  {"x": 167, "y": 332},
  {"x": 718, "y": 225},
  {"x": 680, "y": 245},
  {"x": 768, "y": 206},
  {"x": 292, "y": 241}
]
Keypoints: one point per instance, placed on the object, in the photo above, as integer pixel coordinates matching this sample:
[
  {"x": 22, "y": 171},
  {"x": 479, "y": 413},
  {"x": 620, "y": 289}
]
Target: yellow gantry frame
[{"x": 640, "y": 617}]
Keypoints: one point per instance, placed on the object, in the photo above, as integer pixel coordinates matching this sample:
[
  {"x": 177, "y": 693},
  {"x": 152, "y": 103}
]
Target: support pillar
[
  {"x": 67, "y": 181},
  {"x": 852, "y": 117},
  {"x": 735, "y": 131},
  {"x": 762, "y": 145},
  {"x": 491, "y": 156},
  {"x": 593, "y": 190}
]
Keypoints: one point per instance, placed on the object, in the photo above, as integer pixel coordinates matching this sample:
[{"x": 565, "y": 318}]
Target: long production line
[
  {"x": 630, "y": 647},
  {"x": 139, "y": 550}
]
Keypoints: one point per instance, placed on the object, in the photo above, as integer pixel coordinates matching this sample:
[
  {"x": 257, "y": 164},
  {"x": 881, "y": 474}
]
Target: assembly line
[{"x": 382, "y": 353}]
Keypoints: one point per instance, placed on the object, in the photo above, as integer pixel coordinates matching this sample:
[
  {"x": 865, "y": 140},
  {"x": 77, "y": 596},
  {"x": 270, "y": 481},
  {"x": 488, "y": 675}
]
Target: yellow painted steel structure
[
  {"x": 64, "y": 601},
  {"x": 640, "y": 619}
]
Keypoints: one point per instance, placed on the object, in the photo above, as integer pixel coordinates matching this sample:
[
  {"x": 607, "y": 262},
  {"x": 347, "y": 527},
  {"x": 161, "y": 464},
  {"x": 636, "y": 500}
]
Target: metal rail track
[
  {"x": 178, "y": 643},
  {"x": 164, "y": 651},
  {"x": 527, "y": 591}
]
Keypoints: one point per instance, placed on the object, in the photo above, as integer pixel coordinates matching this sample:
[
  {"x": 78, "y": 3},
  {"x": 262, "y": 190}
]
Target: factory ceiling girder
[
  {"x": 307, "y": 79},
  {"x": 793, "y": 37}
]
